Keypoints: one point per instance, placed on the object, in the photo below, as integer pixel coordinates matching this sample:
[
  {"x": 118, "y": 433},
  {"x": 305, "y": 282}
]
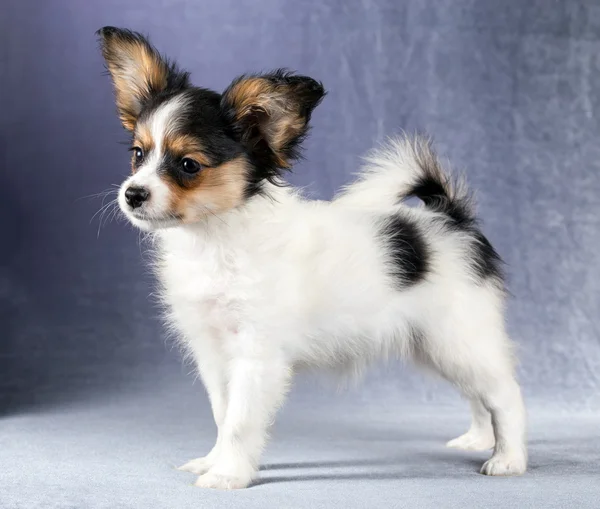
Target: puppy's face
[{"x": 196, "y": 152}]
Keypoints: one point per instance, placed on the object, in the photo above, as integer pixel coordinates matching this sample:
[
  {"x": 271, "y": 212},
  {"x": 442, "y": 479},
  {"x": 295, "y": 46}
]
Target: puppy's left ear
[
  {"x": 270, "y": 113},
  {"x": 138, "y": 71}
]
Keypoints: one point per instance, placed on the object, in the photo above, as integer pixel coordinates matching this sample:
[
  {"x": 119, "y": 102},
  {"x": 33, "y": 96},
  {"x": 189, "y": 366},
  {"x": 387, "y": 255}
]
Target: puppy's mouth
[{"x": 154, "y": 222}]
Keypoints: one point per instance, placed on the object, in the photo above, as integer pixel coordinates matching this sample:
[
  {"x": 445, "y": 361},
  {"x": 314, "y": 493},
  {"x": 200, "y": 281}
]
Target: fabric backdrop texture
[{"x": 96, "y": 405}]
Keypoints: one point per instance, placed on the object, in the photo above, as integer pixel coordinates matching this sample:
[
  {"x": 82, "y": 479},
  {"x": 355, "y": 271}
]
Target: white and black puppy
[{"x": 259, "y": 281}]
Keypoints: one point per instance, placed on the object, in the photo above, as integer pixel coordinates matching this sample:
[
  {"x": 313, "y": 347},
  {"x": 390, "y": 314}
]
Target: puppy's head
[{"x": 194, "y": 151}]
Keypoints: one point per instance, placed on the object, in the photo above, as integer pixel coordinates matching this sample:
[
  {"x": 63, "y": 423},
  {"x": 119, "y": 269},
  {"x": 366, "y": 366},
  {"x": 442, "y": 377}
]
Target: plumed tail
[{"x": 404, "y": 167}]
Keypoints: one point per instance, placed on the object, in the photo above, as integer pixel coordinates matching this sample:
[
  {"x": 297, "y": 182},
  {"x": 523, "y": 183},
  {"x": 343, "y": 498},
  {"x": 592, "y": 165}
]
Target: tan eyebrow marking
[
  {"x": 143, "y": 138},
  {"x": 183, "y": 145}
]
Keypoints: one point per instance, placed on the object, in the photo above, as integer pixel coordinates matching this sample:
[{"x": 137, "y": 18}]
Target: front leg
[
  {"x": 212, "y": 369},
  {"x": 257, "y": 387}
]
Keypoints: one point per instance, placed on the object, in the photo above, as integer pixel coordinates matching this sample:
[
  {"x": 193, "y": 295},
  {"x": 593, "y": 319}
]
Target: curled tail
[{"x": 405, "y": 167}]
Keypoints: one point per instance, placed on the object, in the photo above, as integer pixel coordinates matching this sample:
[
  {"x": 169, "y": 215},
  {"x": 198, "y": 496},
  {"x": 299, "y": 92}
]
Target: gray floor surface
[{"x": 327, "y": 450}]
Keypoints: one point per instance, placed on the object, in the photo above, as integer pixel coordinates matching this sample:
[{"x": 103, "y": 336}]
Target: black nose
[{"x": 135, "y": 196}]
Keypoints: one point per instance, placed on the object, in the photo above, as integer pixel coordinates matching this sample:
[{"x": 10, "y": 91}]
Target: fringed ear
[
  {"x": 270, "y": 113},
  {"x": 137, "y": 70}
]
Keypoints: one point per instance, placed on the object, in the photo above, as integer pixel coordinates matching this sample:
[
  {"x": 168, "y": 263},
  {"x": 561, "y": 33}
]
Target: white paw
[
  {"x": 473, "y": 441},
  {"x": 505, "y": 464},
  {"x": 198, "y": 466},
  {"x": 223, "y": 481}
]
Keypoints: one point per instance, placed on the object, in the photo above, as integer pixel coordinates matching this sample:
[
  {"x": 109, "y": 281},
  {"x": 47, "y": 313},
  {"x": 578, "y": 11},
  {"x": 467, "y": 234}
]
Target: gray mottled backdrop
[{"x": 507, "y": 88}]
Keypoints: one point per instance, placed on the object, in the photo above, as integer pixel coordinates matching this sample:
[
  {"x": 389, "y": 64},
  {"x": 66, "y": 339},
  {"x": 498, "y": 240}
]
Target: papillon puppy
[{"x": 260, "y": 282}]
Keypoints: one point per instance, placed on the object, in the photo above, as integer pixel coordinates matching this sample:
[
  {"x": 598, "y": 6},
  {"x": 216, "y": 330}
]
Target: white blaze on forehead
[
  {"x": 161, "y": 122},
  {"x": 164, "y": 120}
]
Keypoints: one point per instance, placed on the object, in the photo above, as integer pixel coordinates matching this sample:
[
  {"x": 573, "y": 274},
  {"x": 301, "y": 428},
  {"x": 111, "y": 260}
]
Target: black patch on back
[
  {"x": 486, "y": 262},
  {"x": 408, "y": 250}
]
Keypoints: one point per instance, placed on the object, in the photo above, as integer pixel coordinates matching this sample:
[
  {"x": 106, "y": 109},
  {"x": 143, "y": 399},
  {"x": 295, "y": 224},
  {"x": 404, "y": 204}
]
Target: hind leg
[
  {"x": 480, "y": 436},
  {"x": 482, "y": 368},
  {"x": 505, "y": 403}
]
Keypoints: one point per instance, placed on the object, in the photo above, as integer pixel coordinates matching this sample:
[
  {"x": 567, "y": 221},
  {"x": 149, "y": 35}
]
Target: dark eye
[
  {"x": 190, "y": 166},
  {"x": 138, "y": 155}
]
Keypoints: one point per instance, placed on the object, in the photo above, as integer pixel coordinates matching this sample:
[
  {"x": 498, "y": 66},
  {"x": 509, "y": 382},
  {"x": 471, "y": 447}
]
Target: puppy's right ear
[
  {"x": 137, "y": 70},
  {"x": 270, "y": 112}
]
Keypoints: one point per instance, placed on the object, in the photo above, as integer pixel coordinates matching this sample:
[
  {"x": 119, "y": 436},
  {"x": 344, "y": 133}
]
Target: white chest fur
[{"x": 202, "y": 282}]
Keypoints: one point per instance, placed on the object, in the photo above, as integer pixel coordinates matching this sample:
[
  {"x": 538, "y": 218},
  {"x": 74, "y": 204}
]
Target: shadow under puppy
[{"x": 258, "y": 281}]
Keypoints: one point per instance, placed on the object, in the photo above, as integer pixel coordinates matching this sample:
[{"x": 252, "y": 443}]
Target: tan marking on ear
[
  {"x": 136, "y": 70},
  {"x": 153, "y": 67},
  {"x": 212, "y": 191},
  {"x": 283, "y": 121},
  {"x": 249, "y": 94},
  {"x": 286, "y": 129}
]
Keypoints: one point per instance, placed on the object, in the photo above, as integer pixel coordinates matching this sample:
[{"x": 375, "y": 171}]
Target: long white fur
[{"x": 283, "y": 282}]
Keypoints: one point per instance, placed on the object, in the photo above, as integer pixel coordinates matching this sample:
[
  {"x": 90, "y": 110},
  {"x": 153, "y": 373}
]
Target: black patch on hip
[{"x": 408, "y": 250}]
